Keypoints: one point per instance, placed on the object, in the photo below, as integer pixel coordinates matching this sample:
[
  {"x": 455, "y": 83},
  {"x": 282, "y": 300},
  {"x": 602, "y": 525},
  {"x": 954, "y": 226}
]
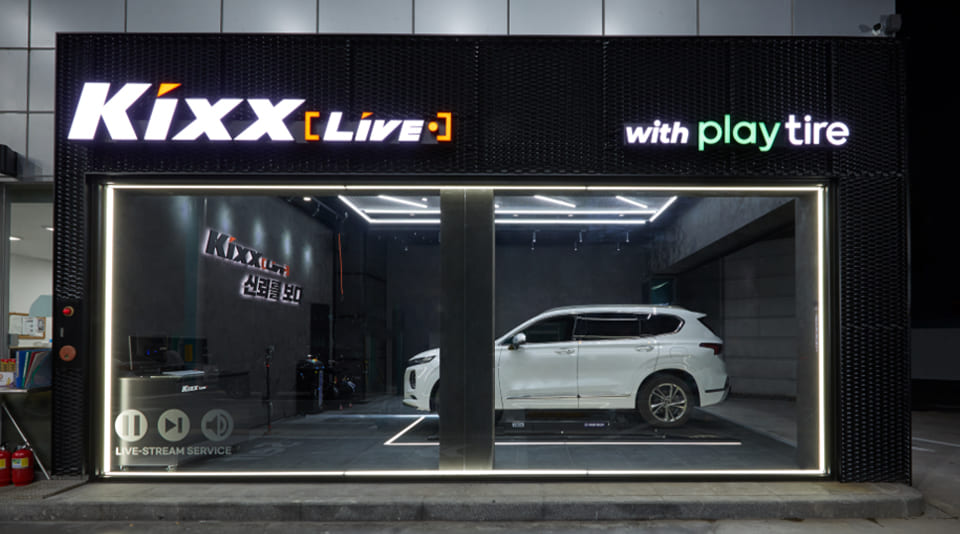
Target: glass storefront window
[
  {"x": 297, "y": 330},
  {"x": 249, "y": 332},
  {"x": 26, "y": 218},
  {"x": 650, "y": 330}
]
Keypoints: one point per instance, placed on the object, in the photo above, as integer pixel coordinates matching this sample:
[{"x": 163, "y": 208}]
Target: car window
[
  {"x": 607, "y": 326},
  {"x": 661, "y": 324},
  {"x": 551, "y": 330}
]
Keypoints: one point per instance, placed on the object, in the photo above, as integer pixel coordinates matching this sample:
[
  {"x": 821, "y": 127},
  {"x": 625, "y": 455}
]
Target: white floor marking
[{"x": 391, "y": 442}]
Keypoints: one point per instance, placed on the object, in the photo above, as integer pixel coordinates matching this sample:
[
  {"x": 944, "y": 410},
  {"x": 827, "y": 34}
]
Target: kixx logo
[
  {"x": 805, "y": 132},
  {"x": 226, "y": 246},
  {"x": 97, "y": 105}
]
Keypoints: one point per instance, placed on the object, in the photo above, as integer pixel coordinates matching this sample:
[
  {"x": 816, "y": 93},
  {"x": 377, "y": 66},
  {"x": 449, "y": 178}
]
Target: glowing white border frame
[{"x": 105, "y": 469}]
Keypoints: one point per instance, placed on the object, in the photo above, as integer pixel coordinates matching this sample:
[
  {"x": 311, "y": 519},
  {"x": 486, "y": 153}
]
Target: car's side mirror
[{"x": 518, "y": 340}]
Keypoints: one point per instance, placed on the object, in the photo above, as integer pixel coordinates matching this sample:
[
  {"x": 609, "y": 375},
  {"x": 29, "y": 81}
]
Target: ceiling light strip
[
  {"x": 581, "y": 222},
  {"x": 555, "y": 201},
  {"x": 573, "y": 212},
  {"x": 388, "y": 211},
  {"x": 384, "y": 211},
  {"x": 633, "y": 202},
  {"x": 353, "y": 207},
  {"x": 403, "y": 201},
  {"x": 541, "y": 222},
  {"x": 664, "y": 208},
  {"x": 391, "y": 187},
  {"x": 404, "y": 221}
]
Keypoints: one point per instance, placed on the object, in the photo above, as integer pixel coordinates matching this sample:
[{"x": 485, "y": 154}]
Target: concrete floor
[{"x": 382, "y": 434}]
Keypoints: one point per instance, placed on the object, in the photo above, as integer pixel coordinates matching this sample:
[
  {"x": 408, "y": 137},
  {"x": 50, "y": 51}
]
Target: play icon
[{"x": 173, "y": 425}]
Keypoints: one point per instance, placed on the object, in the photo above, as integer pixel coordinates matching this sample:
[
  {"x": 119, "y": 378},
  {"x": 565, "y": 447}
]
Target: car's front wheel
[
  {"x": 435, "y": 399},
  {"x": 665, "y": 401}
]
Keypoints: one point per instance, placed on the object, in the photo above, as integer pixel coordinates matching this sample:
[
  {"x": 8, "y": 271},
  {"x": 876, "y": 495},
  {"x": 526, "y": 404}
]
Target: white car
[{"x": 660, "y": 360}]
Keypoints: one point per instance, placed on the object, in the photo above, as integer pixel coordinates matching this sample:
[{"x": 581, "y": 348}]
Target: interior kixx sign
[
  {"x": 794, "y": 131},
  {"x": 212, "y": 119}
]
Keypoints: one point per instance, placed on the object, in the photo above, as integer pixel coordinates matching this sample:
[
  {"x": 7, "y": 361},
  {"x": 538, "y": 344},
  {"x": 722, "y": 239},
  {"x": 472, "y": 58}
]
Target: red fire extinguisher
[
  {"x": 4, "y": 465},
  {"x": 22, "y": 468}
]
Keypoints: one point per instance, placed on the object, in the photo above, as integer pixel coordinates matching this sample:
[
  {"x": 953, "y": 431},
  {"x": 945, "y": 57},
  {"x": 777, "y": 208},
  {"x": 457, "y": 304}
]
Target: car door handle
[
  {"x": 644, "y": 348},
  {"x": 565, "y": 351}
]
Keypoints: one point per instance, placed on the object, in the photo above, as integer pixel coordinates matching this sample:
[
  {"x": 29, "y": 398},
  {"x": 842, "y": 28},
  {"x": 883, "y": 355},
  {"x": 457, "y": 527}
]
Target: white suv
[{"x": 660, "y": 360}]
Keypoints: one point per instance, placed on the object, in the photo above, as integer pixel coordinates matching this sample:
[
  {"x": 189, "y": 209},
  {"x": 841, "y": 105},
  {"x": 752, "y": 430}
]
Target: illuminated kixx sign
[
  {"x": 227, "y": 247},
  {"x": 802, "y": 132},
  {"x": 211, "y": 120}
]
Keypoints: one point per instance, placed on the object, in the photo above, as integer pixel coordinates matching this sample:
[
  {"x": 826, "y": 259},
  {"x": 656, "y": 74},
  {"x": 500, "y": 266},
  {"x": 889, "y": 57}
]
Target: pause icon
[{"x": 130, "y": 425}]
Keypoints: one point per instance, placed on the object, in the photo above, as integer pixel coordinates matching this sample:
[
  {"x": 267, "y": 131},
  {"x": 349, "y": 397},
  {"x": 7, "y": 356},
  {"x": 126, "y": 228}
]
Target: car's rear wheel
[{"x": 665, "y": 401}]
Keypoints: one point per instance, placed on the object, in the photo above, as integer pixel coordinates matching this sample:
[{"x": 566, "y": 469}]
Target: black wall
[
  {"x": 165, "y": 285},
  {"x": 527, "y": 282},
  {"x": 537, "y": 110}
]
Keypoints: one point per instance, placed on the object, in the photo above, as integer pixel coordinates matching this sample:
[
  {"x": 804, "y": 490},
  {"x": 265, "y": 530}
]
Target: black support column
[{"x": 466, "y": 349}]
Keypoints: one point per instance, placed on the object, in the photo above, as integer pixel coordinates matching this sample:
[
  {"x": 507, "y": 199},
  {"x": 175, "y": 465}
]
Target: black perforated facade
[{"x": 537, "y": 110}]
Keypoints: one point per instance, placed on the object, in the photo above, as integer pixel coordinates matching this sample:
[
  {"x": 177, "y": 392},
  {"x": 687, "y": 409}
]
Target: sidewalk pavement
[{"x": 72, "y": 500}]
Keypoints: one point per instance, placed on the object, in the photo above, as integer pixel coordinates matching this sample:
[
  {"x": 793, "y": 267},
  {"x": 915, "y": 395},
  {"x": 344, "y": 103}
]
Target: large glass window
[
  {"x": 262, "y": 331},
  {"x": 695, "y": 315},
  {"x": 297, "y": 329},
  {"x": 26, "y": 265}
]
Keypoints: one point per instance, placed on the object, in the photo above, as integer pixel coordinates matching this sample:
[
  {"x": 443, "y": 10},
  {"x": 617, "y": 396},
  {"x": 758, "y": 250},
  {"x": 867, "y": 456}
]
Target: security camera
[{"x": 886, "y": 27}]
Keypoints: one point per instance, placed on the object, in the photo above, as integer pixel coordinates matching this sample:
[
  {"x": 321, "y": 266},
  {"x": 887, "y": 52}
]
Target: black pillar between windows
[{"x": 466, "y": 349}]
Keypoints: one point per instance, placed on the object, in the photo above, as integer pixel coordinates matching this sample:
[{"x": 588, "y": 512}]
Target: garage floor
[{"x": 382, "y": 434}]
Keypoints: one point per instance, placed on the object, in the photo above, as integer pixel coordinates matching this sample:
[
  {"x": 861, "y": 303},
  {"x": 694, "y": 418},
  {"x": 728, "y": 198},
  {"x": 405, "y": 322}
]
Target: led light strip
[
  {"x": 403, "y": 201},
  {"x": 391, "y": 442},
  {"x": 581, "y": 443},
  {"x": 821, "y": 329},
  {"x": 426, "y": 473},
  {"x": 663, "y": 208},
  {"x": 716, "y": 188},
  {"x": 580, "y": 222},
  {"x": 404, "y": 431},
  {"x": 108, "y": 237},
  {"x": 109, "y": 223},
  {"x": 634, "y": 202},
  {"x": 555, "y": 201},
  {"x": 234, "y": 187},
  {"x": 382, "y": 211},
  {"x": 573, "y": 212},
  {"x": 355, "y": 209}
]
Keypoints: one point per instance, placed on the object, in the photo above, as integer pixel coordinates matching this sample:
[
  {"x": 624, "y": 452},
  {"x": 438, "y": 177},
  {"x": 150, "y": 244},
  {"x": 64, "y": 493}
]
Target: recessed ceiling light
[
  {"x": 14, "y": 238},
  {"x": 48, "y": 228}
]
